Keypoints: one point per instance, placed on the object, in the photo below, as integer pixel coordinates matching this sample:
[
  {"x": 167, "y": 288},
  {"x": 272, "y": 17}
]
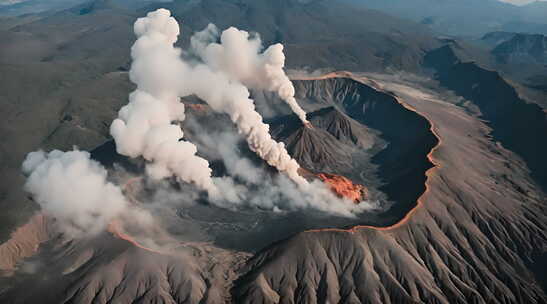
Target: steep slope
[
  {"x": 517, "y": 125},
  {"x": 109, "y": 269},
  {"x": 330, "y": 142},
  {"x": 318, "y": 149},
  {"x": 342, "y": 127}
]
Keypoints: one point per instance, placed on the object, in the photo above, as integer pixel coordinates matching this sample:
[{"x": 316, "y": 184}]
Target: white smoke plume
[
  {"x": 239, "y": 56},
  {"x": 73, "y": 189},
  {"x": 147, "y": 125},
  {"x": 232, "y": 98}
]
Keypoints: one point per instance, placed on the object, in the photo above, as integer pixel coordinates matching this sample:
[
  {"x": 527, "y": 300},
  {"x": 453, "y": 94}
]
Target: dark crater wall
[
  {"x": 519, "y": 126},
  {"x": 403, "y": 163}
]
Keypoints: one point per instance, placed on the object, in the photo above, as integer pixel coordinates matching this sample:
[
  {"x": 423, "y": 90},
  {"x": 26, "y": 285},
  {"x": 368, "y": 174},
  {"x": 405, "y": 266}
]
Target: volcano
[
  {"x": 444, "y": 178},
  {"x": 461, "y": 240},
  {"x": 328, "y": 144}
]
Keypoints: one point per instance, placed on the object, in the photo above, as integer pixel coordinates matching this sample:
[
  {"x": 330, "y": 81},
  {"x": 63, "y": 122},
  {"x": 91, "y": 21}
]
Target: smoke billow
[
  {"x": 73, "y": 189},
  {"x": 145, "y": 127},
  {"x": 232, "y": 98},
  {"x": 238, "y": 55}
]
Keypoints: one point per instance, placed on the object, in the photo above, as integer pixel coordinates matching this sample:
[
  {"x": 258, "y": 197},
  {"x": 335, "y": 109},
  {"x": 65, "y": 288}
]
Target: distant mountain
[
  {"x": 15, "y": 8},
  {"x": 316, "y": 33},
  {"x": 22, "y": 7},
  {"x": 522, "y": 48},
  {"x": 521, "y": 56},
  {"x": 466, "y": 17},
  {"x": 493, "y": 39},
  {"x": 536, "y": 10}
]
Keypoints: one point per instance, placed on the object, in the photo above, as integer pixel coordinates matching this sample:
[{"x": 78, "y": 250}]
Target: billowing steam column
[
  {"x": 147, "y": 125},
  {"x": 144, "y": 126},
  {"x": 238, "y": 56},
  {"x": 222, "y": 82},
  {"x": 232, "y": 98}
]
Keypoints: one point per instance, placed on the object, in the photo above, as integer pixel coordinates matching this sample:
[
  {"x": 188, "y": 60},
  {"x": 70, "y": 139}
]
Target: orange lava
[
  {"x": 428, "y": 173},
  {"x": 197, "y": 107},
  {"x": 343, "y": 187},
  {"x": 118, "y": 232},
  {"x": 115, "y": 226}
]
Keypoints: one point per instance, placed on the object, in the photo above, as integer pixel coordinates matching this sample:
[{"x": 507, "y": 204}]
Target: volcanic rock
[{"x": 327, "y": 144}]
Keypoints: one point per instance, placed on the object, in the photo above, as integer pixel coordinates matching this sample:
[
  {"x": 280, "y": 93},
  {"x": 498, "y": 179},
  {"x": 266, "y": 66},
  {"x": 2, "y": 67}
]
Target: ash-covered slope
[
  {"x": 518, "y": 125},
  {"x": 318, "y": 149},
  {"x": 110, "y": 269},
  {"x": 468, "y": 241},
  {"x": 328, "y": 144},
  {"x": 342, "y": 127}
]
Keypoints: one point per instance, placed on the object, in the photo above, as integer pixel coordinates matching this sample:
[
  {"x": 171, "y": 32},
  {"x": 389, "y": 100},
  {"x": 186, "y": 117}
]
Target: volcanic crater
[{"x": 363, "y": 143}]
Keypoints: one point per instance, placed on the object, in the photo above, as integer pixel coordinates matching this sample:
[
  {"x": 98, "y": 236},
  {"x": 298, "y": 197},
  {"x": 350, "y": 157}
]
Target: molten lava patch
[
  {"x": 343, "y": 187},
  {"x": 116, "y": 230},
  {"x": 200, "y": 108}
]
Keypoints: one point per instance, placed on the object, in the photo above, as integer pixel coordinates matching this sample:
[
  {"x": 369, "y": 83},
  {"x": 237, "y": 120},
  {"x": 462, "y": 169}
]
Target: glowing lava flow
[
  {"x": 200, "y": 108},
  {"x": 344, "y": 188},
  {"x": 118, "y": 232},
  {"x": 428, "y": 173},
  {"x": 115, "y": 226}
]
